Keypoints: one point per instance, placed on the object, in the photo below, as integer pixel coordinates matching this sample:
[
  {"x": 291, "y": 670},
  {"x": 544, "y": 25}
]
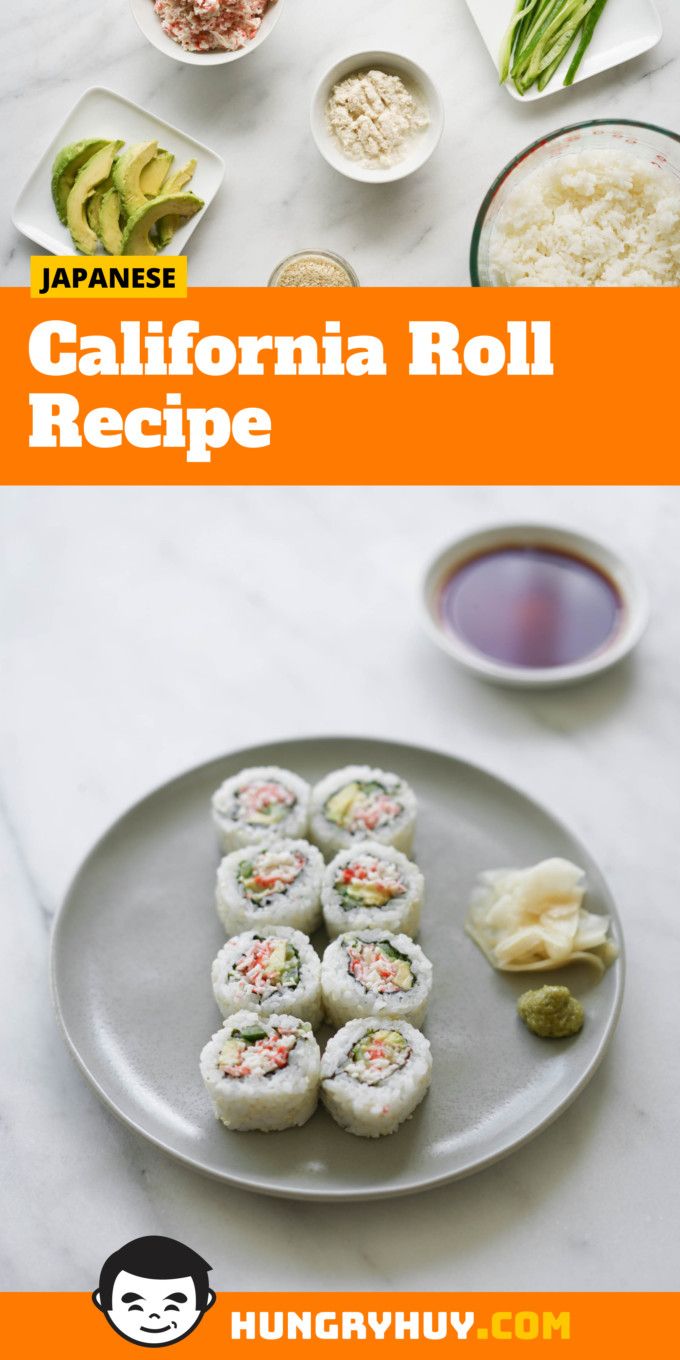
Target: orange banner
[
  {"x": 68, "y": 1326},
  {"x": 494, "y": 385}
]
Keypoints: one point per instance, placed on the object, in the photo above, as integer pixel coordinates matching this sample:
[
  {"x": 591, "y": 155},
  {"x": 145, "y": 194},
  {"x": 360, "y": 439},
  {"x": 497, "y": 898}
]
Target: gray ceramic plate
[{"x": 131, "y": 959}]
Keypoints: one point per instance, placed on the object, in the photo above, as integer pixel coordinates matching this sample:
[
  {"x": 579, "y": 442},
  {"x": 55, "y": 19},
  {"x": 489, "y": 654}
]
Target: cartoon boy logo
[{"x": 154, "y": 1291}]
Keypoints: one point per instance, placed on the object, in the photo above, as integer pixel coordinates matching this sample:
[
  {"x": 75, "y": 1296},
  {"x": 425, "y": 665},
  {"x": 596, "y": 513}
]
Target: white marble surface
[
  {"x": 279, "y": 195},
  {"x": 122, "y": 610}
]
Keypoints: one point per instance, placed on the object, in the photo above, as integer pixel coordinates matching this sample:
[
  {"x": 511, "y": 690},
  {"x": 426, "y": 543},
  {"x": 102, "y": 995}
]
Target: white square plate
[
  {"x": 103, "y": 113},
  {"x": 627, "y": 28}
]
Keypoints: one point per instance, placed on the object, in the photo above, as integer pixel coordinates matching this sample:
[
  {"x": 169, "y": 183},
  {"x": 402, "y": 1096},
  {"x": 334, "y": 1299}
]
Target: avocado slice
[
  {"x": 94, "y": 172},
  {"x": 168, "y": 225},
  {"x": 127, "y": 175},
  {"x": 66, "y": 165},
  {"x": 136, "y": 236},
  {"x": 109, "y": 229},
  {"x": 94, "y": 205},
  {"x": 153, "y": 176}
]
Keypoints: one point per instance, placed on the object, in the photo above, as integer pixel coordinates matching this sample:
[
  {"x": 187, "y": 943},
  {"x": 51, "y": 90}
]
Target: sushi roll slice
[
  {"x": 374, "y": 973},
  {"x": 270, "y": 885},
  {"x": 361, "y": 804},
  {"x": 374, "y": 1075},
  {"x": 260, "y": 805},
  {"x": 372, "y": 886},
  {"x": 262, "y": 1073},
  {"x": 269, "y": 972}
]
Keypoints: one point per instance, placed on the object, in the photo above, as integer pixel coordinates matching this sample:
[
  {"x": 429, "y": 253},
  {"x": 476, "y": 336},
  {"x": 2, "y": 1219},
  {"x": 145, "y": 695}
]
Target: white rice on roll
[
  {"x": 369, "y": 886},
  {"x": 373, "y": 1075},
  {"x": 269, "y": 972},
  {"x": 262, "y": 1073},
  {"x": 360, "y": 803},
  {"x": 375, "y": 973},
  {"x": 278, "y": 884},
  {"x": 260, "y": 804}
]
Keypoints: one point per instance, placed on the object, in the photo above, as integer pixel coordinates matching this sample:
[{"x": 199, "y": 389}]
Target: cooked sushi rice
[
  {"x": 269, "y": 972},
  {"x": 360, "y": 804},
  {"x": 375, "y": 973},
  {"x": 261, "y": 804},
  {"x": 262, "y": 1073},
  {"x": 372, "y": 886},
  {"x": 270, "y": 885},
  {"x": 374, "y": 1075}
]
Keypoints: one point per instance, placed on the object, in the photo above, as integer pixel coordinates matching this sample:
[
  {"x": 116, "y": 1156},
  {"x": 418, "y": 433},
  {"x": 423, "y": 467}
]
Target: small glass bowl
[
  {"x": 352, "y": 280},
  {"x": 657, "y": 145}
]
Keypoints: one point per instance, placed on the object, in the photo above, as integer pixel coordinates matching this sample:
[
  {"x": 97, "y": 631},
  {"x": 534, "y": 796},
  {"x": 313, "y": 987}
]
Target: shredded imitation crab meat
[
  {"x": 261, "y": 1058},
  {"x": 378, "y": 1057},
  {"x": 379, "y": 874},
  {"x": 369, "y": 964},
  {"x": 271, "y": 872},
  {"x": 256, "y": 967},
  {"x": 261, "y": 803},
  {"x": 211, "y": 25}
]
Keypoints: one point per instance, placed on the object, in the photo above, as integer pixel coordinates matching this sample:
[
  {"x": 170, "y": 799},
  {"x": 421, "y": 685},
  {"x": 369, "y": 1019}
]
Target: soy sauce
[{"x": 531, "y": 606}]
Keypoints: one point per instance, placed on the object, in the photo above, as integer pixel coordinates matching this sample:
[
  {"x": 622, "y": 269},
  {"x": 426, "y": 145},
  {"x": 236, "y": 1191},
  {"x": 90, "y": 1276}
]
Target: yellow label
[{"x": 114, "y": 276}]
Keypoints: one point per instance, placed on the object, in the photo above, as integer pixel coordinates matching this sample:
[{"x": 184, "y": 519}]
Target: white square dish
[
  {"x": 103, "y": 113},
  {"x": 627, "y": 29}
]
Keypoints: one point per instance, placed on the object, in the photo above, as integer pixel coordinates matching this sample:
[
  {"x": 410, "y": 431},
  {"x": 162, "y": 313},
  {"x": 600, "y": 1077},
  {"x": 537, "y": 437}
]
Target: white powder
[
  {"x": 590, "y": 219},
  {"x": 374, "y": 115}
]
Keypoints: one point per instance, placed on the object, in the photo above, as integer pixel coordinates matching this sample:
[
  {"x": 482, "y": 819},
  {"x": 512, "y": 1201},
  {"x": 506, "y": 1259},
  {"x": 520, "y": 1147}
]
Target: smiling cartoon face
[{"x": 153, "y": 1312}]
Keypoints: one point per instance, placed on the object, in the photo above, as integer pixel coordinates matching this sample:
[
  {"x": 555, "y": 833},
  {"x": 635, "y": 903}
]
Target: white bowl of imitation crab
[
  {"x": 419, "y": 145},
  {"x": 151, "y": 26}
]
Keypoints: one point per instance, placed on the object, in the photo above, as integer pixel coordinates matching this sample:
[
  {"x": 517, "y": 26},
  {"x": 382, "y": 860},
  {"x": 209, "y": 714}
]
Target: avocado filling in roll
[
  {"x": 262, "y": 804},
  {"x": 368, "y": 882},
  {"x": 362, "y": 807},
  {"x": 268, "y": 874},
  {"x": 378, "y": 1055},
  {"x": 253, "y": 1052},
  {"x": 268, "y": 966},
  {"x": 379, "y": 967}
]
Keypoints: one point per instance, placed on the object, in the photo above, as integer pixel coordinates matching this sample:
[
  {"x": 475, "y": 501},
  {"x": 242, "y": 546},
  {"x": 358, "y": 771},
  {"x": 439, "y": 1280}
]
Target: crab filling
[
  {"x": 262, "y": 805},
  {"x": 267, "y": 967},
  {"x": 253, "y": 1052},
  {"x": 362, "y": 807},
  {"x": 379, "y": 967},
  {"x": 368, "y": 882},
  {"x": 378, "y": 1055},
  {"x": 269, "y": 874}
]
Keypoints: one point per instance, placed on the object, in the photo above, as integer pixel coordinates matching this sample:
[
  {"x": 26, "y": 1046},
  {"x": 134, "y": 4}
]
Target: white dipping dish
[
  {"x": 150, "y": 25},
  {"x": 631, "y": 589},
  {"x": 422, "y": 144}
]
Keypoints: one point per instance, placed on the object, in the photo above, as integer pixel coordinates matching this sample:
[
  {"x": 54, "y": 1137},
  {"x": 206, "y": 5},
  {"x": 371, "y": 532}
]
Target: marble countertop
[
  {"x": 279, "y": 195},
  {"x": 121, "y": 665}
]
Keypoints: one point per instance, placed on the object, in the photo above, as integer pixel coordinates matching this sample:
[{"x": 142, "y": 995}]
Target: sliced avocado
[
  {"x": 66, "y": 165},
  {"x": 109, "y": 229},
  {"x": 277, "y": 958},
  {"x": 339, "y": 803},
  {"x": 168, "y": 225},
  {"x": 127, "y": 175},
  {"x": 153, "y": 176},
  {"x": 136, "y": 236},
  {"x": 94, "y": 205},
  {"x": 94, "y": 172}
]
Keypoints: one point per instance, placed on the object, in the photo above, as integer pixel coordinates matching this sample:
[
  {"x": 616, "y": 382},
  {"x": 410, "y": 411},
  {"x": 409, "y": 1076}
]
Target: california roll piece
[
  {"x": 269, "y": 972},
  {"x": 262, "y": 1073},
  {"x": 361, "y": 804},
  {"x": 375, "y": 973},
  {"x": 374, "y": 1075},
  {"x": 372, "y": 885},
  {"x": 261, "y": 804},
  {"x": 271, "y": 885}
]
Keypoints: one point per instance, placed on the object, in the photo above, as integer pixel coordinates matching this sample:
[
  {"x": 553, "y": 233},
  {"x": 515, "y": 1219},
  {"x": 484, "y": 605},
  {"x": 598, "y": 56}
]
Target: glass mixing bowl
[{"x": 657, "y": 145}]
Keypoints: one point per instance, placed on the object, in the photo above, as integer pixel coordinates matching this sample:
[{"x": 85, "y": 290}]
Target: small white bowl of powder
[{"x": 377, "y": 117}]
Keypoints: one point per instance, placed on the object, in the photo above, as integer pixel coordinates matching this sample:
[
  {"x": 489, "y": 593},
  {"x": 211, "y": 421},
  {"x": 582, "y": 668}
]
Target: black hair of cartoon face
[{"x": 154, "y": 1291}]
